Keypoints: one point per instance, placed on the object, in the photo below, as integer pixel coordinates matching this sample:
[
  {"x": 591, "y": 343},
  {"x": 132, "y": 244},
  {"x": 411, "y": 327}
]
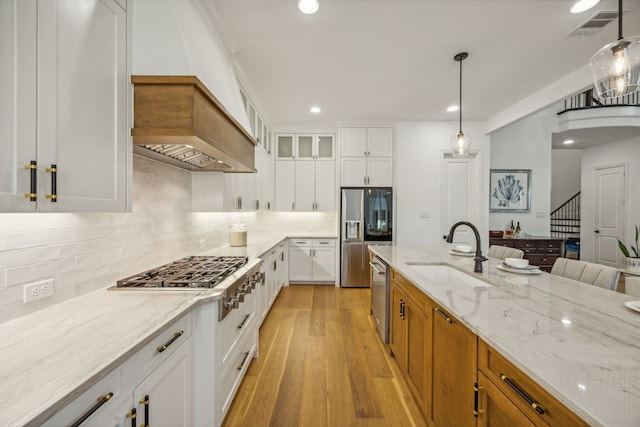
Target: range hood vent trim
[{"x": 178, "y": 118}]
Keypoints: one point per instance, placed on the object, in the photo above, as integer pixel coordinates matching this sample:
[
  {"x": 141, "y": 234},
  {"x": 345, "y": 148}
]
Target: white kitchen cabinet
[
  {"x": 285, "y": 147},
  {"x": 166, "y": 394},
  {"x": 315, "y": 146},
  {"x": 264, "y": 181},
  {"x": 285, "y": 185},
  {"x": 312, "y": 260},
  {"x": 164, "y": 376},
  {"x": 74, "y": 127},
  {"x": 366, "y": 157}
]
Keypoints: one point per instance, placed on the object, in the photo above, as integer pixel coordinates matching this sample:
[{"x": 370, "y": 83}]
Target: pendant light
[
  {"x": 616, "y": 67},
  {"x": 460, "y": 142}
]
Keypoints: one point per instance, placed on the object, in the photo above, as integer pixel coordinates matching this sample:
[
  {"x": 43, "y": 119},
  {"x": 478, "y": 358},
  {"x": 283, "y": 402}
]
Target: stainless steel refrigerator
[{"x": 366, "y": 218}]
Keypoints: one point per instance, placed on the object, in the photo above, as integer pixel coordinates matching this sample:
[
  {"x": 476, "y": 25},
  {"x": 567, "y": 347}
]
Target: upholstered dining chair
[
  {"x": 502, "y": 252},
  {"x": 587, "y": 272}
]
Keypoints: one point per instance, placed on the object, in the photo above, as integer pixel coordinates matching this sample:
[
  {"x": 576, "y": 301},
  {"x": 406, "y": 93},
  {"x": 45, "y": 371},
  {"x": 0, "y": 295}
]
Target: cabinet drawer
[
  {"x": 162, "y": 346},
  {"x": 239, "y": 323},
  {"x": 542, "y": 259},
  {"x": 112, "y": 383},
  {"x": 524, "y": 244},
  {"x": 502, "y": 242},
  {"x": 550, "y": 244},
  {"x": 549, "y": 251},
  {"x": 301, "y": 242},
  {"x": 324, "y": 242},
  {"x": 513, "y": 383},
  {"x": 232, "y": 375}
]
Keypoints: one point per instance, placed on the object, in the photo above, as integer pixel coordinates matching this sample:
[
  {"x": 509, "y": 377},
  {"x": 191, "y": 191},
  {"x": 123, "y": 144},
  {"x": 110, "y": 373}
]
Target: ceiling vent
[{"x": 596, "y": 23}]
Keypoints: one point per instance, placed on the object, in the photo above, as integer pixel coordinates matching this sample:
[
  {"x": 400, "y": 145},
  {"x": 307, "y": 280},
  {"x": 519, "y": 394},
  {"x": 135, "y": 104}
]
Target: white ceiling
[{"x": 391, "y": 60}]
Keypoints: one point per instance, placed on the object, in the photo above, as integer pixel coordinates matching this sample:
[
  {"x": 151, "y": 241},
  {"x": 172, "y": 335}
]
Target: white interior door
[
  {"x": 609, "y": 196},
  {"x": 460, "y": 190}
]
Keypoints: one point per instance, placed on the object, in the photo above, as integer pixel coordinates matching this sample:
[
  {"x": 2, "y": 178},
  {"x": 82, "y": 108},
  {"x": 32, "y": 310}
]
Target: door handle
[
  {"x": 596, "y": 231},
  {"x": 378, "y": 268}
]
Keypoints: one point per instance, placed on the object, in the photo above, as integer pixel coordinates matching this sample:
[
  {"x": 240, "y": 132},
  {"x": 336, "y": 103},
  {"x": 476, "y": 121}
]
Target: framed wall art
[{"x": 510, "y": 190}]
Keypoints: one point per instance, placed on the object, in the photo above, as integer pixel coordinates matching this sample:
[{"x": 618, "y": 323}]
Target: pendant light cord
[
  {"x": 461, "y": 94},
  {"x": 620, "y": 20}
]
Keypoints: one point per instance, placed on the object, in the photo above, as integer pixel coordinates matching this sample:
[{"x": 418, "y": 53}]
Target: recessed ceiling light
[
  {"x": 308, "y": 6},
  {"x": 452, "y": 108},
  {"x": 568, "y": 141},
  {"x": 583, "y": 5},
  {"x": 315, "y": 109}
]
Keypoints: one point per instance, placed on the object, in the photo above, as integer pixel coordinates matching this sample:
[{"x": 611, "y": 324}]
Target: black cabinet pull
[
  {"x": 99, "y": 402},
  {"x": 133, "y": 414},
  {"x": 244, "y": 322},
  {"x": 244, "y": 359},
  {"x": 522, "y": 394},
  {"x": 54, "y": 184},
  {"x": 443, "y": 314},
  {"x": 171, "y": 341},
  {"x": 476, "y": 388},
  {"x": 33, "y": 181},
  {"x": 145, "y": 401}
]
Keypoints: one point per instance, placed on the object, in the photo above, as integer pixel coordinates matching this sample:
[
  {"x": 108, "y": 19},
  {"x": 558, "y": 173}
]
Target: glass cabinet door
[
  {"x": 284, "y": 147},
  {"x": 304, "y": 145},
  {"x": 324, "y": 147}
]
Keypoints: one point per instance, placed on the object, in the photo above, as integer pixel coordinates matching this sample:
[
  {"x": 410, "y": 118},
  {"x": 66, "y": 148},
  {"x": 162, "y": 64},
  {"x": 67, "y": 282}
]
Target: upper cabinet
[
  {"x": 366, "y": 157},
  {"x": 63, "y": 106},
  {"x": 305, "y": 147}
]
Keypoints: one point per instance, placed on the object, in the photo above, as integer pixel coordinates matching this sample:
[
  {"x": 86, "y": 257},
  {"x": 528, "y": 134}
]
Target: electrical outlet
[{"x": 38, "y": 290}]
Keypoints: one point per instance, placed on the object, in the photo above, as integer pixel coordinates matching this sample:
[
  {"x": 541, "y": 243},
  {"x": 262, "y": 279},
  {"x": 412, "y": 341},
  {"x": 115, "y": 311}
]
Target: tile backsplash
[{"x": 84, "y": 252}]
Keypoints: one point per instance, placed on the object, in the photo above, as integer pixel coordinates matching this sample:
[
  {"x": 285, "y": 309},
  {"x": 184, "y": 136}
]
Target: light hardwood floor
[{"x": 322, "y": 363}]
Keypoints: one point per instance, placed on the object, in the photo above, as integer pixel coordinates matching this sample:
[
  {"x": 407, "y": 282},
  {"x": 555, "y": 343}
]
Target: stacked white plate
[
  {"x": 461, "y": 250},
  {"x": 527, "y": 269}
]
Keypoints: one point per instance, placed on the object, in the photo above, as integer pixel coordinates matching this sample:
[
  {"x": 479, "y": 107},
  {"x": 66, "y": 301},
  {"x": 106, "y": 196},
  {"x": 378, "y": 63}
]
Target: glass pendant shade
[
  {"x": 460, "y": 144},
  {"x": 616, "y": 68}
]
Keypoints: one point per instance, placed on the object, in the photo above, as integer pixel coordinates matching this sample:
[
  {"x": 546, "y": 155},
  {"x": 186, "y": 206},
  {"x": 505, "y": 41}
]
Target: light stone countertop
[
  {"x": 50, "y": 357},
  {"x": 577, "y": 341}
]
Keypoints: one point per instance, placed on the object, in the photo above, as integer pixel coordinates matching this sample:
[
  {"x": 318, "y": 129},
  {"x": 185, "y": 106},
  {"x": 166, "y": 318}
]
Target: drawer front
[
  {"x": 542, "y": 260},
  {"x": 550, "y": 244},
  {"x": 502, "y": 242},
  {"x": 527, "y": 244},
  {"x": 239, "y": 323},
  {"x": 324, "y": 242},
  {"x": 232, "y": 375},
  {"x": 112, "y": 383},
  {"x": 549, "y": 251},
  {"x": 301, "y": 242},
  {"x": 514, "y": 384},
  {"x": 162, "y": 346},
  {"x": 529, "y": 251}
]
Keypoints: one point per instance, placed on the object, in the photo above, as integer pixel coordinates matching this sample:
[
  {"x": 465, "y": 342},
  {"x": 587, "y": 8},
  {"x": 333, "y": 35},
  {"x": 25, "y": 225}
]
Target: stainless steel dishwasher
[{"x": 380, "y": 297}]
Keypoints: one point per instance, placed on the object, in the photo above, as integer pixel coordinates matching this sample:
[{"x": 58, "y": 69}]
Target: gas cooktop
[{"x": 190, "y": 272}]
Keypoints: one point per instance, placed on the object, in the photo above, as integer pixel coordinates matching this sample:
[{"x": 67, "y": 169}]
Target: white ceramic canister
[{"x": 238, "y": 235}]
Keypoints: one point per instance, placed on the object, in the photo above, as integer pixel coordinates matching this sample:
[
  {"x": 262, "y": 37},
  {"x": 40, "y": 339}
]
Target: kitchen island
[{"x": 579, "y": 342}]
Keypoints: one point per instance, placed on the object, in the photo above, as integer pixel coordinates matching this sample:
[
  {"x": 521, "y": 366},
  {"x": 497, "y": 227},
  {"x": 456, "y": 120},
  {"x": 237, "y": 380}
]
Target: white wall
[
  {"x": 621, "y": 152},
  {"x": 526, "y": 144},
  {"x": 88, "y": 251},
  {"x": 565, "y": 175},
  {"x": 419, "y": 149}
]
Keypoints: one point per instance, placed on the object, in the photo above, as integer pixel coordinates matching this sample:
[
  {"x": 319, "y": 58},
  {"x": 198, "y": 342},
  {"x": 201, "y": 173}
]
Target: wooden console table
[{"x": 540, "y": 251}]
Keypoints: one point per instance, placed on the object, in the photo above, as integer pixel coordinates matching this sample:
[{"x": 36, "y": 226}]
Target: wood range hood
[{"x": 177, "y": 120}]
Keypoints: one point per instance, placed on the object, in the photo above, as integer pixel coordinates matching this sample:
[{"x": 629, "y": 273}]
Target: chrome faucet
[{"x": 477, "y": 268}]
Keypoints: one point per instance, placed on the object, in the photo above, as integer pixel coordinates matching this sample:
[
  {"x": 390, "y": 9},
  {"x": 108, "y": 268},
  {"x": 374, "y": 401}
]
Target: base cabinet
[
  {"x": 312, "y": 260},
  {"x": 494, "y": 409},
  {"x": 456, "y": 378},
  {"x": 505, "y": 393},
  {"x": 453, "y": 372},
  {"x": 411, "y": 338},
  {"x": 152, "y": 387}
]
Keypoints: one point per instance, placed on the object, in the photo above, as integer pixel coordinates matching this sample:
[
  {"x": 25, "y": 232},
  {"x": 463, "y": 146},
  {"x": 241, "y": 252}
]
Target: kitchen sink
[{"x": 447, "y": 275}]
